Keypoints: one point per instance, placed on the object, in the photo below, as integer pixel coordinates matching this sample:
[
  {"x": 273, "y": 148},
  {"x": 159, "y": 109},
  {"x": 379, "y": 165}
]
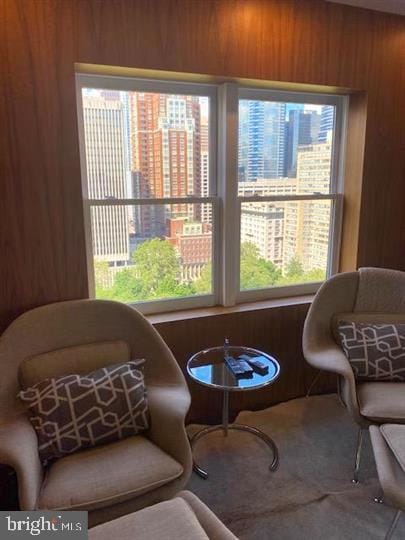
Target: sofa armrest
[
  {"x": 19, "y": 449},
  {"x": 168, "y": 406}
]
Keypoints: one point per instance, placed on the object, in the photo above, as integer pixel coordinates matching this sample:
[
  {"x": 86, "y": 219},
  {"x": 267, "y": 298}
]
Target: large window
[{"x": 196, "y": 195}]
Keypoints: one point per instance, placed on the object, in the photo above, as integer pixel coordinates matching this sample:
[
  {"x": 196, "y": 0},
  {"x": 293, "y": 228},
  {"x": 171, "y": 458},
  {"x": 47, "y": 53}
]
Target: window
[{"x": 203, "y": 194}]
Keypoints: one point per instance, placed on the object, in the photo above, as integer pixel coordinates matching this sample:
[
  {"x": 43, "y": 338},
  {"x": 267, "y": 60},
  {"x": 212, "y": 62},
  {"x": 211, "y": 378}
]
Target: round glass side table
[{"x": 208, "y": 368}]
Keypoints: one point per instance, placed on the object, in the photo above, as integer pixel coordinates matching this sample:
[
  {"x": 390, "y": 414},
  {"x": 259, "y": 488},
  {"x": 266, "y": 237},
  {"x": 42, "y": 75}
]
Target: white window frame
[
  {"x": 126, "y": 84},
  {"x": 223, "y": 169},
  {"x": 335, "y": 194}
]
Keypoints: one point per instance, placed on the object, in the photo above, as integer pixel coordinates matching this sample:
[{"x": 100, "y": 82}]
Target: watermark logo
[{"x": 43, "y": 525}]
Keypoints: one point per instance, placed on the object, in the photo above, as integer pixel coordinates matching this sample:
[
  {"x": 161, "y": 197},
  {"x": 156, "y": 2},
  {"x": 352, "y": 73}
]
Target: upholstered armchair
[
  {"x": 116, "y": 478},
  {"x": 367, "y": 295}
]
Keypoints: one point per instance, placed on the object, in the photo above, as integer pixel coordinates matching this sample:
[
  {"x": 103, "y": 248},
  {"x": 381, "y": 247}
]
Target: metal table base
[{"x": 225, "y": 427}]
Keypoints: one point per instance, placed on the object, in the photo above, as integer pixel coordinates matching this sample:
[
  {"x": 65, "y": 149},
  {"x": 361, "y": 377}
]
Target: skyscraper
[
  {"x": 274, "y": 139},
  {"x": 261, "y": 140},
  {"x": 327, "y": 122},
  {"x": 165, "y": 135},
  {"x": 106, "y": 176},
  {"x": 302, "y": 128},
  {"x": 307, "y": 223},
  {"x": 206, "y": 210}
]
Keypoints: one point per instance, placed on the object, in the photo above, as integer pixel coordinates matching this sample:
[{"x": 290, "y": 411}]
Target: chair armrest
[
  {"x": 19, "y": 449},
  {"x": 329, "y": 357},
  {"x": 168, "y": 406},
  {"x": 213, "y": 527}
]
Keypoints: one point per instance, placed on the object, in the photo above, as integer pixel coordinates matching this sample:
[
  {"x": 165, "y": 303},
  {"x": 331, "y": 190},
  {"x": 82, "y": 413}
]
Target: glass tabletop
[{"x": 209, "y": 367}]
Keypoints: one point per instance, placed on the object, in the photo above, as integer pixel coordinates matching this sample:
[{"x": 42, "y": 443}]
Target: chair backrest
[
  {"x": 366, "y": 295},
  {"x": 79, "y": 336},
  {"x": 80, "y": 359}
]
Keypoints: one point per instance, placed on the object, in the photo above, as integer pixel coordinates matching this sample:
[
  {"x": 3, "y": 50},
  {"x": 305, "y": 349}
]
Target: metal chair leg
[
  {"x": 339, "y": 390},
  {"x": 355, "y": 479},
  {"x": 393, "y": 525},
  {"x": 379, "y": 499},
  {"x": 314, "y": 381}
]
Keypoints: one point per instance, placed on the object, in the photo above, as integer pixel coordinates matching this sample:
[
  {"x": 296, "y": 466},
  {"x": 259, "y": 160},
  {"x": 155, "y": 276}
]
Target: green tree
[
  {"x": 155, "y": 274},
  {"x": 294, "y": 268},
  {"x": 316, "y": 274},
  {"x": 156, "y": 261},
  {"x": 127, "y": 287},
  {"x": 203, "y": 284},
  {"x": 256, "y": 272},
  {"x": 102, "y": 278},
  {"x": 295, "y": 274}
]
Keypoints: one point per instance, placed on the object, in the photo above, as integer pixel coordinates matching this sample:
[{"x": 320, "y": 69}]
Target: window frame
[
  {"x": 125, "y": 84},
  {"x": 223, "y": 185},
  {"x": 335, "y": 195}
]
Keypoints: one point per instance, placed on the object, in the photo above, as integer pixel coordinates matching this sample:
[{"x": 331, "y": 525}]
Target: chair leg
[
  {"x": 379, "y": 498},
  {"x": 355, "y": 479},
  {"x": 314, "y": 381},
  {"x": 339, "y": 390},
  {"x": 393, "y": 525}
]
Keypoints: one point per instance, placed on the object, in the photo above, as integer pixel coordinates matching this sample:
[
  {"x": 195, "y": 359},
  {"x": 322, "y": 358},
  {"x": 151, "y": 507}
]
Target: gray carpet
[{"x": 310, "y": 496}]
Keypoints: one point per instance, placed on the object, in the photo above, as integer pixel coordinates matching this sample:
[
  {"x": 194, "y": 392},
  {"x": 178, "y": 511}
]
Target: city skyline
[{"x": 151, "y": 145}]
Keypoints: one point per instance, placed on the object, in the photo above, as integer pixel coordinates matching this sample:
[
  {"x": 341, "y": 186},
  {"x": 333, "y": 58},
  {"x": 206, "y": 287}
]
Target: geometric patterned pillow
[
  {"x": 73, "y": 412},
  {"x": 376, "y": 352}
]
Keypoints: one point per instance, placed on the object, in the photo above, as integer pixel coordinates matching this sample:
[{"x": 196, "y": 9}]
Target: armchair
[
  {"x": 109, "y": 480},
  {"x": 367, "y": 295}
]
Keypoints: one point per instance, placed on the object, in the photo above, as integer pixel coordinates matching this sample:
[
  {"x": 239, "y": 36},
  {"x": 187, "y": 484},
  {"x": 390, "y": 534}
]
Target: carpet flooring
[{"x": 310, "y": 496}]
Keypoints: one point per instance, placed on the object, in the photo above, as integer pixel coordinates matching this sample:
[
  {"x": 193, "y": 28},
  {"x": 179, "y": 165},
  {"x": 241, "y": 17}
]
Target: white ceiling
[{"x": 391, "y": 6}]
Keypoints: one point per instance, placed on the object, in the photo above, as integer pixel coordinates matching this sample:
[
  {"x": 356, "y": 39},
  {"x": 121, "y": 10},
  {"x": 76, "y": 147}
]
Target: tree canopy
[{"x": 156, "y": 273}]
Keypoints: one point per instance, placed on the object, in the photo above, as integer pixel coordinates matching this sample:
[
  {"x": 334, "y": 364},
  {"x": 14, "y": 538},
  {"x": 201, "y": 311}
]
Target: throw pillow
[
  {"x": 74, "y": 412},
  {"x": 376, "y": 352}
]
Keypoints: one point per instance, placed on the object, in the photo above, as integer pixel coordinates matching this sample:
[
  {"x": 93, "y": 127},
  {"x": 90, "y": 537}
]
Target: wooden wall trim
[{"x": 353, "y": 180}]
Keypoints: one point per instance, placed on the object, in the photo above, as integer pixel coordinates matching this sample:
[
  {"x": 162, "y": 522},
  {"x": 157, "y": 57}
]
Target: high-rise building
[
  {"x": 302, "y": 128},
  {"x": 206, "y": 210},
  {"x": 307, "y": 223},
  {"x": 261, "y": 140},
  {"x": 165, "y": 135},
  {"x": 327, "y": 123},
  {"x": 262, "y": 223},
  {"x": 106, "y": 176},
  {"x": 274, "y": 139}
]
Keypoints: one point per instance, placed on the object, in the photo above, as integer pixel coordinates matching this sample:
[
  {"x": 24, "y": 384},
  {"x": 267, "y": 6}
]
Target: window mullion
[
  {"x": 152, "y": 201},
  {"x": 335, "y": 235},
  {"x": 228, "y": 190}
]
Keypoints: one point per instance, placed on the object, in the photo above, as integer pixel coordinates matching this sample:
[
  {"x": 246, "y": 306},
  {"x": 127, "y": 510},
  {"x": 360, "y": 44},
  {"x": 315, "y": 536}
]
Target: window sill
[{"x": 199, "y": 313}]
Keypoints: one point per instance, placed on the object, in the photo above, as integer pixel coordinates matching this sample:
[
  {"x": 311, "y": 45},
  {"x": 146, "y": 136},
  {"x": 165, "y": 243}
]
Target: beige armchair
[
  {"x": 389, "y": 459},
  {"x": 110, "y": 480},
  {"x": 367, "y": 295},
  {"x": 184, "y": 517}
]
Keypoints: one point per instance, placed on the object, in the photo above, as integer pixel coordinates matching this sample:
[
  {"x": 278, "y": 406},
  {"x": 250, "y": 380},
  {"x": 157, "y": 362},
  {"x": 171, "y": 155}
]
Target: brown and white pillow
[
  {"x": 74, "y": 412},
  {"x": 376, "y": 352}
]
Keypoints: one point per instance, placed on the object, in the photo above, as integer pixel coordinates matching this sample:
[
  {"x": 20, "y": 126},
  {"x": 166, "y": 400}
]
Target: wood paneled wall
[{"x": 303, "y": 41}]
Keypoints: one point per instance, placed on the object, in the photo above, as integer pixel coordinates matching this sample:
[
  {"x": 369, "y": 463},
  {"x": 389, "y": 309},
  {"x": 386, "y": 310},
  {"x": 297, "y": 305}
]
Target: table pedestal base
[{"x": 239, "y": 427}]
